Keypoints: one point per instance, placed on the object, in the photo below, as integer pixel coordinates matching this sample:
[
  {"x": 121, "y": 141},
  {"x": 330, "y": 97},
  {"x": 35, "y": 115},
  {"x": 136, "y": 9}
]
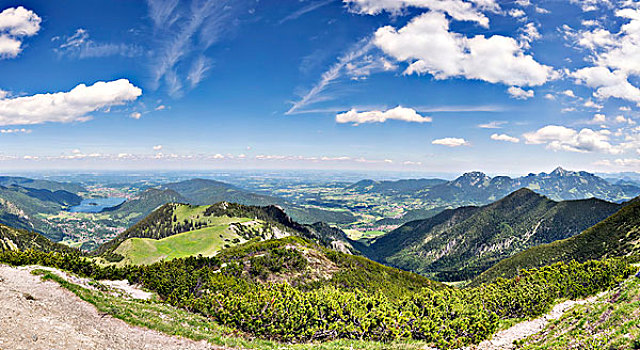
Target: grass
[
  {"x": 206, "y": 241},
  {"x": 612, "y": 322},
  {"x": 177, "y": 322}
]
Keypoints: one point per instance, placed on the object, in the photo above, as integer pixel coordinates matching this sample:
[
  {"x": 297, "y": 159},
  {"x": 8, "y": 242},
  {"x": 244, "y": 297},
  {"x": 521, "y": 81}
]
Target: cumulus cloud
[
  {"x": 590, "y": 104},
  {"x": 457, "y": 9},
  {"x": 505, "y": 137},
  {"x": 398, "y": 113},
  {"x": 451, "y": 142},
  {"x": 520, "y": 93},
  {"x": 608, "y": 83},
  {"x": 560, "y": 138},
  {"x": 135, "y": 115},
  {"x": 157, "y": 147},
  {"x": 65, "y": 107},
  {"x": 429, "y": 47},
  {"x": 15, "y": 24},
  {"x": 614, "y": 57},
  {"x": 599, "y": 118}
]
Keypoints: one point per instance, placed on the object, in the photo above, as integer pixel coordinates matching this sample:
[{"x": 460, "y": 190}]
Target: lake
[{"x": 96, "y": 205}]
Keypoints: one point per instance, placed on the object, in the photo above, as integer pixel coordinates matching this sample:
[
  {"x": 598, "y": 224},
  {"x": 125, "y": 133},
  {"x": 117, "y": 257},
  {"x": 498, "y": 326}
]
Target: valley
[{"x": 410, "y": 251}]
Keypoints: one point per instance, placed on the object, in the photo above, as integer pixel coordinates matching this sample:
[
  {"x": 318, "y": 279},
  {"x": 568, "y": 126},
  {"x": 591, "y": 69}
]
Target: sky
[{"x": 400, "y": 85}]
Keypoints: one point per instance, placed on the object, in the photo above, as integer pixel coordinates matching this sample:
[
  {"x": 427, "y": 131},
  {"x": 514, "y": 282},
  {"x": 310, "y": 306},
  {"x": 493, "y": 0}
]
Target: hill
[
  {"x": 205, "y": 192},
  {"x": 137, "y": 208},
  {"x": 617, "y": 235},
  {"x": 461, "y": 243},
  {"x": 180, "y": 230},
  {"x": 15, "y": 239},
  {"x": 52, "y": 186},
  {"x": 23, "y": 207}
]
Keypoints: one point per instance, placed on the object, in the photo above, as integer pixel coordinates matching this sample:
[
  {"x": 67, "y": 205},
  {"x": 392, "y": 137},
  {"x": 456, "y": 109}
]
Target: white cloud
[
  {"x": 161, "y": 108},
  {"x": 608, "y": 83},
  {"x": 457, "y": 9},
  {"x": 529, "y": 33},
  {"x": 569, "y": 93},
  {"x": 625, "y": 108},
  {"x": 184, "y": 31},
  {"x": 16, "y": 23},
  {"x": 550, "y": 97},
  {"x": 517, "y": 13},
  {"x": 614, "y": 57},
  {"x": 157, "y": 147},
  {"x": 135, "y": 115},
  {"x": 505, "y": 137},
  {"x": 81, "y": 46},
  {"x": 334, "y": 72},
  {"x": 9, "y": 47},
  {"x": 398, "y": 113},
  {"x": 560, "y": 138},
  {"x": 429, "y": 47},
  {"x": 590, "y": 104},
  {"x": 621, "y": 119},
  {"x": 568, "y": 109},
  {"x": 599, "y": 118},
  {"x": 492, "y": 125},
  {"x": 520, "y": 93},
  {"x": 451, "y": 142},
  {"x": 65, "y": 107},
  {"x": 198, "y": 70},
  {"x": 15, "y": 131},
  {"x": 591, "y": 5}
]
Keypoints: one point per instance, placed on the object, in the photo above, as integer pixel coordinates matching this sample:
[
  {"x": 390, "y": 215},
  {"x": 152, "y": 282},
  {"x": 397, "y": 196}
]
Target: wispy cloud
[
  {"x": 334, "y": 72},
  {"x": 184, "y": 35},
  {"x": 81, "y": 46},
  {"x": 306, "y": 9},
  {"x": 198, "y": 71}
]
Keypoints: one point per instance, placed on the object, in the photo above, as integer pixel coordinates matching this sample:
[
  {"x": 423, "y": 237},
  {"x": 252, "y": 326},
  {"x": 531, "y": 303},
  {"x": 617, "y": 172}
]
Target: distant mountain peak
[{"x": 559, "y": 171}]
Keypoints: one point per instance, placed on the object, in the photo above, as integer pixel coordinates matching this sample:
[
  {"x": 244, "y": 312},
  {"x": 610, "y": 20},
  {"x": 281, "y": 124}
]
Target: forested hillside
[
  {"x": 460, "y": 243},
  {"x": 618, "y": 235}
]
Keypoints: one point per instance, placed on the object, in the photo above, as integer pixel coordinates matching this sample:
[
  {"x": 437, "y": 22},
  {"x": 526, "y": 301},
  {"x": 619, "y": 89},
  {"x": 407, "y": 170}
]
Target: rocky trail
[
  {"x": 36, "y": 314},
  {"x": 503, "y": 340}
]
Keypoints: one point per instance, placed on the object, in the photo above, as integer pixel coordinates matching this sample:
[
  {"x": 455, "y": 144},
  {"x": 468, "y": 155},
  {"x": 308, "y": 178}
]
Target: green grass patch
[{"x": 206, "y": 241}]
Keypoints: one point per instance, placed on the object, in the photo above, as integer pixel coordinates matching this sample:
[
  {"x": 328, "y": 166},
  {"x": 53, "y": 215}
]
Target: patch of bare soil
[{"x": 36, "y": 314}]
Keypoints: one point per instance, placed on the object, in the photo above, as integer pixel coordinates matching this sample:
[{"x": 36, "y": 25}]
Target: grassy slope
[
  {"x": 612, "y": 322},
  {"x": 206, "y": 241},
  {"x": 618, "y": 235}
]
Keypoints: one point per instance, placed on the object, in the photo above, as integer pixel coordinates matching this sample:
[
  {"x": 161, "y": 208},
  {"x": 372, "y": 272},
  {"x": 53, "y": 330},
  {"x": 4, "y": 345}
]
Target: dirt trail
[
  {"x": 504, "y": 339},
  {"x": 36, "y": 314}
]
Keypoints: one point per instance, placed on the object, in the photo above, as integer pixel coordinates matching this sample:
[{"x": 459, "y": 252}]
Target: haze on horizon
[{"x": 422, "y": 86}]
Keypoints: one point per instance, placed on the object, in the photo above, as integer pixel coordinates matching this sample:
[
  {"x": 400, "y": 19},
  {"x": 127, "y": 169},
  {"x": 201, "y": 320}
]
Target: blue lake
[{"x": 96, "y": 205}]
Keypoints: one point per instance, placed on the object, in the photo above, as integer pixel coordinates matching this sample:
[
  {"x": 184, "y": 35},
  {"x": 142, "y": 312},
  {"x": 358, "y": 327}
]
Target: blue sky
[{"x": 404, "y": 85}]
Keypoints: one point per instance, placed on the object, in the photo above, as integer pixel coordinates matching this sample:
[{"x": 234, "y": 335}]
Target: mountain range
[
  {"x": 458, "y": 244},
  {"x": 477, "y": 188}
]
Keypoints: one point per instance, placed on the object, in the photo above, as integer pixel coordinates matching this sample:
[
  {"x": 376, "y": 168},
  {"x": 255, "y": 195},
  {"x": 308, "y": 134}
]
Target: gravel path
[
  {"x": 36, "y": 314},
  {"x": 504, "y": 339}
]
